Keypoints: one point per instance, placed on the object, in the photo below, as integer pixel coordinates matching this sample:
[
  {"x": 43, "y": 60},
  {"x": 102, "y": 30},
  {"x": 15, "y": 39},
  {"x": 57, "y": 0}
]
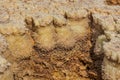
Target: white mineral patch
[
  {"x": 4, "y": 64},
  {"x": 112, "y": 48}
]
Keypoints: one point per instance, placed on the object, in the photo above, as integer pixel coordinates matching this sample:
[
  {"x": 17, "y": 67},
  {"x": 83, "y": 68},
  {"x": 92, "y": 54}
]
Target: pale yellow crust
[
  {"x": 20, "y": 46},
  {"x": 45, "y": 38}
]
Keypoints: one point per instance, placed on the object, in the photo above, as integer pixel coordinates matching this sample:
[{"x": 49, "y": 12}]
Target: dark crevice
[{"x": 97, "y": 59}]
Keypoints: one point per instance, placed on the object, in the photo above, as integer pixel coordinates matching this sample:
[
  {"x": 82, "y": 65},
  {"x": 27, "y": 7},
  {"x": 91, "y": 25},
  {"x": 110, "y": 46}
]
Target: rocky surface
[
  {"x": 115, "y": 2},
  {"x": 59, "y": 40}
]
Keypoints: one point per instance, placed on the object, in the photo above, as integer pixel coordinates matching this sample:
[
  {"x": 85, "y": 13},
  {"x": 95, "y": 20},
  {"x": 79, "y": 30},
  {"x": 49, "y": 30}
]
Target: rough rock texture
[
  {"x": 107, "y": 43},
  {"x": 45, "y": 44},
  {"x": 113, "y": 2},
  {"x": 111, "y": 63},
  {"x": 58, "y": 39}
]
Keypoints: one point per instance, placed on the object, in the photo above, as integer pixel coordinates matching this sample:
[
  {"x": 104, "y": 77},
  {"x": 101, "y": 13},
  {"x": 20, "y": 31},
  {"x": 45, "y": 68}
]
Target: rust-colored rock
[{"x": 115, "y": 2}]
